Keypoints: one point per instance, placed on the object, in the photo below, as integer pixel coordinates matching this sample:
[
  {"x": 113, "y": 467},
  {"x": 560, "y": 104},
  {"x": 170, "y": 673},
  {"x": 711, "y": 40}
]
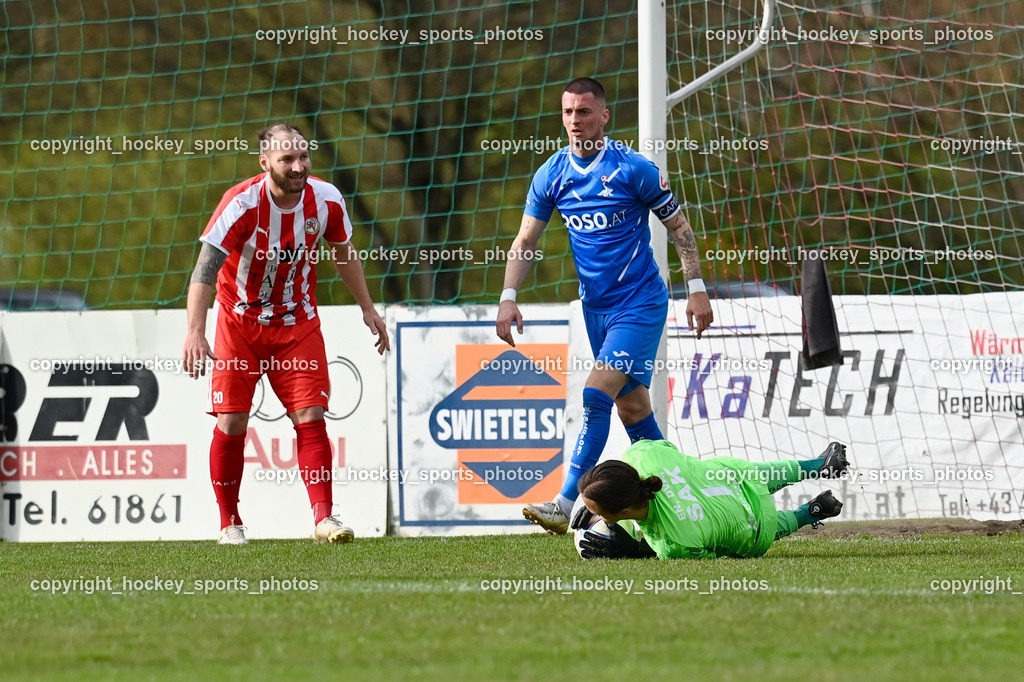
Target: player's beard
[{"x": 288, "y": 183}]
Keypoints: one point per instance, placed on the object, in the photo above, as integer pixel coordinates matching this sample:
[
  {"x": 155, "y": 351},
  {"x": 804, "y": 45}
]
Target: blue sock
[
  {"x": 645, "y": 429},
  {"x": 597, "y": 417}
]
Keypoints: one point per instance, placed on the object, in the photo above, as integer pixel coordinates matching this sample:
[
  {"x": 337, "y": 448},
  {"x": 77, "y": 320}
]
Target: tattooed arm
[
  {"x": 197, "y": 349},
  {"x": 208, "y": 265},
  {"x": 698, "y": 304}
]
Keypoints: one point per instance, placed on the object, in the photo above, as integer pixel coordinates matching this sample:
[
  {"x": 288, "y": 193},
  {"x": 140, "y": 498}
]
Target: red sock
[
  {"x": 321, "y": 510},
  {"x": 315, "y": 466},
  {"x": 227, "y": 461}
]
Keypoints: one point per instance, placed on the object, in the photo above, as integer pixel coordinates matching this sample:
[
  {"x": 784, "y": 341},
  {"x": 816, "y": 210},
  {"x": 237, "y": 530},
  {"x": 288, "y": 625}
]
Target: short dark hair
[
  {"x": 273, "y": 129},
  {"x": 581, "y": 86},
  {"x": 615, "y": 485}
]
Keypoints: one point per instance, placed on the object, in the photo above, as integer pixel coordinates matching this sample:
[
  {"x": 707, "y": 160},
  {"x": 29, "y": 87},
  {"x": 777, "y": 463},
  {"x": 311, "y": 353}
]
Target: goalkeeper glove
[
  {"x": 619, "y": 546},
  {"x": 581, "y": 519}
]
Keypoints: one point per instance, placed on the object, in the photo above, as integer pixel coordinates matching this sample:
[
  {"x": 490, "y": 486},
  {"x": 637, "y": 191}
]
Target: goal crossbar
[{"x": 729, "y": 64}]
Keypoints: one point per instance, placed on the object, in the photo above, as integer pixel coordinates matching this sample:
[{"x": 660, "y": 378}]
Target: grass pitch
[{"x": 852, "y": 604}]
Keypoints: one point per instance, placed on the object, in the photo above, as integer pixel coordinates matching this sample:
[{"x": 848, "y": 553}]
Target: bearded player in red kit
[{"x": 264, "y": 241}]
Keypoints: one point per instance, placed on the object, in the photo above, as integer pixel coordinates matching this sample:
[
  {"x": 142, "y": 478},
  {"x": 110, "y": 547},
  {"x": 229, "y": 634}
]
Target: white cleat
[
  {"x": 333, "y": 531},
  {"x": 549, "y": 516},
  {"x": 233, "y": 535}
]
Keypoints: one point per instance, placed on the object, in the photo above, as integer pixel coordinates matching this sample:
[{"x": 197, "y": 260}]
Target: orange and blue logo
[{"x": 506, "y": 419}]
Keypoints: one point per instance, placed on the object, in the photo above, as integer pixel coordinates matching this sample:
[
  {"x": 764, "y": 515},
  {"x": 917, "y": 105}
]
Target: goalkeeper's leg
[
  {"x": 824, "y": 506},
  {"x": 777, "y": 475}
]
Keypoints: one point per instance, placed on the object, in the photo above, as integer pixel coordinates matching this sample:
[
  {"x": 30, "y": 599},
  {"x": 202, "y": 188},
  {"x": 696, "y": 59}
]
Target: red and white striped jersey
[{"x": 270, "y": 271}]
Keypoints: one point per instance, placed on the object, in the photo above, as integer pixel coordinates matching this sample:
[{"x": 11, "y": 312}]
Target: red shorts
[{"x": 293, "y": 358}]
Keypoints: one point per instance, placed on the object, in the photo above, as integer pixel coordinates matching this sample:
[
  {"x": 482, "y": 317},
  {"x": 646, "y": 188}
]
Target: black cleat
[
  {"x": 825, "y": 506},
  {"x": 835, "y": 464}
]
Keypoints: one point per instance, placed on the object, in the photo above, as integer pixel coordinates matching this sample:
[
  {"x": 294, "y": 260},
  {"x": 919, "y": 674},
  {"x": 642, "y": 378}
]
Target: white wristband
[
  {"x": 508, "y": 295},
  {"x": 696, "y": 286}
]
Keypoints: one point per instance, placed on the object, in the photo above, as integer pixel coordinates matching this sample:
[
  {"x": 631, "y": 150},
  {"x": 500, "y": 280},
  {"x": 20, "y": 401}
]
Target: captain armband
[{"x": 668, "y": 209}]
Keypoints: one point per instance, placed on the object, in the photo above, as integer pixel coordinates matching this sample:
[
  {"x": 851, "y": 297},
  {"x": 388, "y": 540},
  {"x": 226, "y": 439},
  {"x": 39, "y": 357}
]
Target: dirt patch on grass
[{"x": 901, "y": 528}]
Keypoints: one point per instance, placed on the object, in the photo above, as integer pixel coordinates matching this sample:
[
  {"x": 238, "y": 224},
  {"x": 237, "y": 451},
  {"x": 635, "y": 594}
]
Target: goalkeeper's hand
[
  {"x": 619, "y": 546},
  {"x": 581, "y": 519}
]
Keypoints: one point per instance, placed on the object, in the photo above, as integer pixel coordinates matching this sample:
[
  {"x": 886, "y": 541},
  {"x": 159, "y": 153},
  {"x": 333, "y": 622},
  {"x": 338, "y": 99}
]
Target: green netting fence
[{"x": 124, "y": 122}]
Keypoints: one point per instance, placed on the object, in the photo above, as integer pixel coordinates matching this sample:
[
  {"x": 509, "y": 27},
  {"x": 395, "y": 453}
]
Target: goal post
[
  {"x": 655, "y": 104},
  {"x": 652, "y": 89}
]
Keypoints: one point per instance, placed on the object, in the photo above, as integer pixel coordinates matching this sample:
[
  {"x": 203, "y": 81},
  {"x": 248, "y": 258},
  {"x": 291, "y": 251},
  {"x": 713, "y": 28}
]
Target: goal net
[
  {"x": 883, "y": 139},
  {"x": 126, "y": 123}
]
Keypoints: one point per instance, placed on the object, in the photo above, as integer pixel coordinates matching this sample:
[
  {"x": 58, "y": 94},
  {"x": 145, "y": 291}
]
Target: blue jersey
[{"x": 604, "y": 202}]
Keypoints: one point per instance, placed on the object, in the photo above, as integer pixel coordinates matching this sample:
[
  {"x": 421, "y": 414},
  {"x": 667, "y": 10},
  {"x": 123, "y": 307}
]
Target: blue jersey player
[{"x": 604, "y": 192}]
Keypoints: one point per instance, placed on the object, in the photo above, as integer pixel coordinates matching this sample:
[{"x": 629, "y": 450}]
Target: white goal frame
[{"x": 655, "y": 104}]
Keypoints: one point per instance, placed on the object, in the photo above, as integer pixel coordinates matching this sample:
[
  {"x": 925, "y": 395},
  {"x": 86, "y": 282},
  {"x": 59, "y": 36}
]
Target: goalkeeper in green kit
[{"x": 698, "y": 509}]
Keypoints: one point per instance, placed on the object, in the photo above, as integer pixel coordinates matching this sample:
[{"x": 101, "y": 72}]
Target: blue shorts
[{"x": 627, "y": 340}]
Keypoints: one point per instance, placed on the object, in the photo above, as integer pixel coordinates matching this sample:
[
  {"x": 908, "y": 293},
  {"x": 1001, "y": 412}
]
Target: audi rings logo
[{"x": 346, "y": 394}]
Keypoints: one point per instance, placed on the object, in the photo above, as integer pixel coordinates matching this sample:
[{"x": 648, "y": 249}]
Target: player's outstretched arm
[
  {"x": 200, "y": 291},
  {"x": 698, "y": 304},
  {"x": 346, "y": 260},
  {"x": 520, "y": 258}
]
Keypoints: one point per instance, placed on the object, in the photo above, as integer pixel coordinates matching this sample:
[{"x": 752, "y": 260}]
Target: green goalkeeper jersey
[{"x": 705, "y": 509}]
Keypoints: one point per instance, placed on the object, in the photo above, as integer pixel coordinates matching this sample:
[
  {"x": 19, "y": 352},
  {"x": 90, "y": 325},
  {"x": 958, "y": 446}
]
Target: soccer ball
[{"x": 597, "y": 526}]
